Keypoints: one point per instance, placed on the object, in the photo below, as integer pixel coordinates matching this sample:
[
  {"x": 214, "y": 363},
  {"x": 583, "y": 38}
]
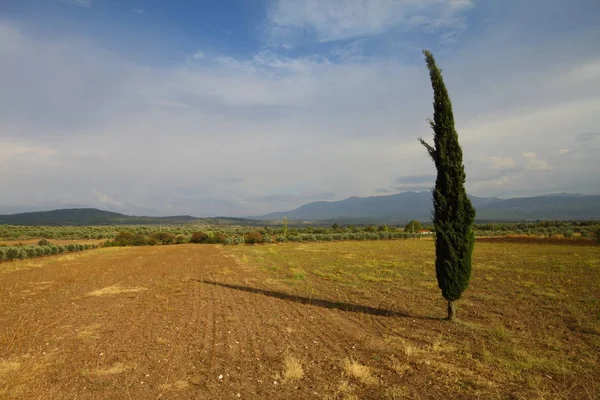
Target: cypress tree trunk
[
  {"x": 451, "y": 311},
  {"x": 453, "y": 214}
]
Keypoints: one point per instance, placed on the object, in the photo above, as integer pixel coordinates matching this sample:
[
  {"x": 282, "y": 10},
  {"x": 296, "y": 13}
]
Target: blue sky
[{"x": 247, "y": 107}]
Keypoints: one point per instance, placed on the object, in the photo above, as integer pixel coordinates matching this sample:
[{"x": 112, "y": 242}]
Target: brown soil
[
  {"x": 139, "y": 323},
  {"x": 190, "y": 322}
]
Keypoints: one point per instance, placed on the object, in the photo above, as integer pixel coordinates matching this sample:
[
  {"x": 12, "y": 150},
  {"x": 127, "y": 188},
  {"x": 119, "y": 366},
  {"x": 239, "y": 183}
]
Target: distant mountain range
[
  {"x": 392, "y": 209},
  {"x": 402, "y": 207},
  {"x": 93, "y": 216}
]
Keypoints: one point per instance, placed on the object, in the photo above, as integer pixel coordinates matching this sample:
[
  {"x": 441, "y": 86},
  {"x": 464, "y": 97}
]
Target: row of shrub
[
  {"x": 8, "y": 253},
  {"x": 165, "y": 234},
  {"x": 251, "y": 237}
]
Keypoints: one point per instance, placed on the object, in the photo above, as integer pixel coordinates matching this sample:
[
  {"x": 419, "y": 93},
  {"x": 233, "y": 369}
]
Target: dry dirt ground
[{"x": 208, "y": 322}]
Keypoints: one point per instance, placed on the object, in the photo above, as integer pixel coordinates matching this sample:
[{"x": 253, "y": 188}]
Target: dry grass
[
  {"x": 531, "y": 311},
  {"x": 89, "y": 332},
  {"x": 7, "y": 367},
  {"x": 396, "y": 393},
  {"x": 116, "y": 368},
  {"x": 177, "y": 385},
  {"x": 345, "y": 391},
  {"x": 292, "y": 368},
  {"x": 528, "y": 325},
  {"x": 358, "y": 371},
  {"x": 115, "y": 289}
]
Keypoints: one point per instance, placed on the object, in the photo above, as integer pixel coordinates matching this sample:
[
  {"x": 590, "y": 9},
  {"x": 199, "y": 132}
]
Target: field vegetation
[
  {"x": 184, "y": 233},
  {"x": 329, "y": 320},
  {"x": 530, "y": 323}
]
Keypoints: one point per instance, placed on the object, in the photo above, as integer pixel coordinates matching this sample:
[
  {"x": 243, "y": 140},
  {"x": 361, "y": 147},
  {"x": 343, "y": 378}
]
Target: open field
[{"x": 342, "y": 320}]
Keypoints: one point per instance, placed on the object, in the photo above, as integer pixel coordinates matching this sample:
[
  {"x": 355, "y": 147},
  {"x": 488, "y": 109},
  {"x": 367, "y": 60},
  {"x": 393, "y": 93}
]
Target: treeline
[
  {"x": 43, "y": 248},
  {"x": 251, "y": 237},
  {"x": 567, "y": 229},
  {"x": 12, "y": 232},
  {"x": 157, "y": 234}
]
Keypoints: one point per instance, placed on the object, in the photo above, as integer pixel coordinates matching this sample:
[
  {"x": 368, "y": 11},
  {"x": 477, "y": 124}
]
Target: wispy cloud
[
  {"x": 246, "y": 135},
  {"x": 588, "y": 136},
  {"x": 533, "y": 163},
  {"x": 331, "y": 20},
  {"x": 139, "y": 11},
  {"x": 503, "y": 163},
  {"x": 106, "y": 200},
  {"x": 412, "y": 179},
  {"x": 80, "y": 3}
]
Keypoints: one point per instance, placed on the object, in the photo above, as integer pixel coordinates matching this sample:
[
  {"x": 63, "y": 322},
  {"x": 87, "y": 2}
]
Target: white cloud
[
  {"x": 106, "y": 200},
  {"x": 330, "y": 20},
  {"x": 533, "y": 163},
  {"x": 503, "y": 162},
  {"x": 80, "y": 3},
  {"x": 198, "y": 55},
  {"x": 280, "y": 130},
  {"x": 11, "y": 149}
]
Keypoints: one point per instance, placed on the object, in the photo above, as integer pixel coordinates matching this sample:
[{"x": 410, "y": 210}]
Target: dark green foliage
[
  {"x": 253, "y": 237},
  {"x": 219, "y": 237},
  {"x": 163, "y": 237},
  {"x": 453, "y": 212},
  {"x": 413, "y": 227},
  {"x": 43, "y": 242},
  {"x": 200, "y": 237}
]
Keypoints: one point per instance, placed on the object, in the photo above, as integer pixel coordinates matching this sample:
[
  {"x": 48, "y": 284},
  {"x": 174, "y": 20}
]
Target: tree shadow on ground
[{"x": 356, "y": 308}]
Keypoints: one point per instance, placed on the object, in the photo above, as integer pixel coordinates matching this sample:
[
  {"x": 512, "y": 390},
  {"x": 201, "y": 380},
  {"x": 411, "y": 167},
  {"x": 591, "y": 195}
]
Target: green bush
[
  {"x": 43, "y": 242},
  {"x": 164, "y": 237},
  {"x": 11, "y": 253},
  {"x": 219, "y": 237},
  {"x": 200, "y": 237},
  {"x": 30, "y": 252},
  {"x": 253, "y": 237}
]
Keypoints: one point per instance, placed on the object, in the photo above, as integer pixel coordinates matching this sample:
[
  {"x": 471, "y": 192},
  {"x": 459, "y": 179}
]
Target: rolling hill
[
  {"x": 402, "y": 207},
  {"x": 93, "y": 216}
]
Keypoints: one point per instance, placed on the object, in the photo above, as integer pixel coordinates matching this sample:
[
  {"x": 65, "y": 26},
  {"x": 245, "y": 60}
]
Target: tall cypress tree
[{"x": 453, "y": 213}]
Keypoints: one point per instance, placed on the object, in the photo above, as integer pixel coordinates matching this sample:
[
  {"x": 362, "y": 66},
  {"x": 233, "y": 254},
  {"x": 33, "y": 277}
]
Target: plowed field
[{"x": 298, "y": 321}]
